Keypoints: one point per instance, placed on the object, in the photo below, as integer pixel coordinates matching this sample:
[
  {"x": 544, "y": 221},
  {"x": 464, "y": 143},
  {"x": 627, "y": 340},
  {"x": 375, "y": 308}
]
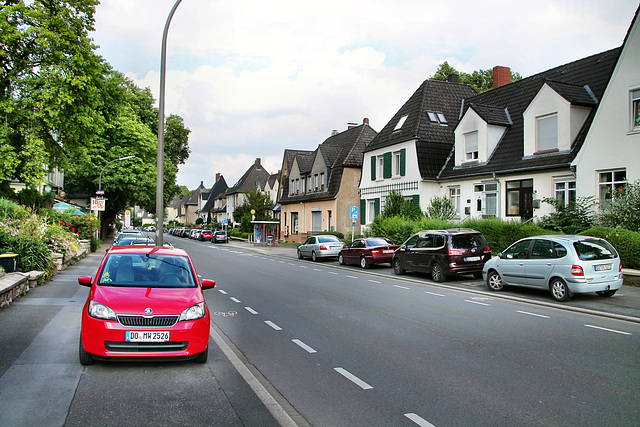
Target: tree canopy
[
  {"x": 480, "y": 80},
  {"x": 64, "y": 107}
]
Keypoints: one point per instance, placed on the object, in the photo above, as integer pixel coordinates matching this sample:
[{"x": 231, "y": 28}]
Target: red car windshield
[{"x": 147, "y": 271}]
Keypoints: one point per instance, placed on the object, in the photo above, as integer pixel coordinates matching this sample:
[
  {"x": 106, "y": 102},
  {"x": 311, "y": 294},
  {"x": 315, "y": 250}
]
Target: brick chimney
[
  {"x": 217, "y": 176},
  {"x": 351, "y": 125},
  {"x": 365, "y": 121},
  {"x": 501, "y": 76},
  {"x": 453, "y": 78}
]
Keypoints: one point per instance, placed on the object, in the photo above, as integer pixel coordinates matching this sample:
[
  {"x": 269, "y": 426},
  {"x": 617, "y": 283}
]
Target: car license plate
[
  {"x": 603, "y": 267},
  {"x": 147, "y": 336},
  {"x": 387, "y": 251},
  {"x": 472, "y": 258}
]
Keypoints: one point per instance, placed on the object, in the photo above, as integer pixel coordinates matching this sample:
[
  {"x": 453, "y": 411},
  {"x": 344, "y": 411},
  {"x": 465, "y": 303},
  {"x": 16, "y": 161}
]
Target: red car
[
  {"x": 145, "y": 302},
  {"x": 205, "y": 235},
  {"x": 367, "y": 251}
]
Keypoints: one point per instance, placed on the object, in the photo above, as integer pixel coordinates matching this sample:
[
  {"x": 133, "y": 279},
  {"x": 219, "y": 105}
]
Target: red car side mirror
[
  {"x": 84, "y": 281},
  {"x": 207, "y": 283}
]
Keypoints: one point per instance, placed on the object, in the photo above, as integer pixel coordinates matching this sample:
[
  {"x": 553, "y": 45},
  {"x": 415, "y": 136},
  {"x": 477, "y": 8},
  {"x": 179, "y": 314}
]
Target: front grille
[
  {"x": 136, "y": 347},
  {"x": 154, "y": 321}
]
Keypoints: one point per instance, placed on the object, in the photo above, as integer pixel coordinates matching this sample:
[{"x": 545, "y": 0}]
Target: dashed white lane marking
[
  {"x": 273, "y": 325},
  {"x": 222, "y": 292},
  {"x": 433, "y": 293},
  {"x": 533, "y": 314},
  {"x": 317, "y": 269},
  {"x": 418, "y": 420},
  {"x": 351, "y": 277},
  {"x": 608, "y": 330},
  {"x": 332, "y": 272},
  {"x": 303, "y": 266},
  {"x": 477, "y": 302},
  {"x": 373, "y": 281},
  {"x": 348, "y": 375},
  {"x": 304, "y": 346},
  {"x": 235, "y": 299},
  {"x": 251, "y": 310},
  {"x": 401, "y": 287}
]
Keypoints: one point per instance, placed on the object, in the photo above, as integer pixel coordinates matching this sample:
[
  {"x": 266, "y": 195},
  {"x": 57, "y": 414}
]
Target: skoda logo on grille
[{"x": 148, "y": 311}]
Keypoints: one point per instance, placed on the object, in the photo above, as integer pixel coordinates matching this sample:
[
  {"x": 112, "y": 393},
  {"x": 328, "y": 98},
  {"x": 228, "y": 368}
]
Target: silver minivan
[{"x": 564, "y": 264}]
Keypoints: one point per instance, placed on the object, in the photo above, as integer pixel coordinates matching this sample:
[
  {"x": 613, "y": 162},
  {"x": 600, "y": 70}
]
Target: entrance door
[{"x": 316, "y": 221}]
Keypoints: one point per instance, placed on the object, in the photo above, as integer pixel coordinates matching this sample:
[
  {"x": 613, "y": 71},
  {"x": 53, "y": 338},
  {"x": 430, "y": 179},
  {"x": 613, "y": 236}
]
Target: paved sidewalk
[{"x": 624, "y": 305}]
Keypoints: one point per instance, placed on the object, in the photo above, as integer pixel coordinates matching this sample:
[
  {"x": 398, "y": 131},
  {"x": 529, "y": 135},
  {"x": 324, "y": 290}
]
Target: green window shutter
[
  {"x": 387, "y": 165},
  {"x": 363, "y": 207},
  {"x": 416, "y": 200},
  {"x": 373, "y": 168},
  {"x": 403, "y": 161},
  {"x": 377, "y": 207}
]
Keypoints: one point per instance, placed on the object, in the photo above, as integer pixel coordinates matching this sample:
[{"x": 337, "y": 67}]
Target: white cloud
[{"x": 252, "y": 78}]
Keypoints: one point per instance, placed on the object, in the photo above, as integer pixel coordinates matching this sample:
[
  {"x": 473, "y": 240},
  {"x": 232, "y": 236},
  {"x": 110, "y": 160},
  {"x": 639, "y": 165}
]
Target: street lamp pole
[
  {"x": 160, "y": 160},
  {"x": 100, "y": 186}
]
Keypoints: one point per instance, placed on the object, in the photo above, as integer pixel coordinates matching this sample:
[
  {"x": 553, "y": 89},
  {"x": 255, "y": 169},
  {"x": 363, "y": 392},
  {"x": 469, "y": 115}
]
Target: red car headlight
[
  {"x": 194, "y": 312},
  {"x": 100, "y": 311}
]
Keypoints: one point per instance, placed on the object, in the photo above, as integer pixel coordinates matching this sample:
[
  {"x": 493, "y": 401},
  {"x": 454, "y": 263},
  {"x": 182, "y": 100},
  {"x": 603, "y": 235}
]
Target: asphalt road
[
  {"x": 334, "y": 346},
  {"x": 345, "y": 347}
]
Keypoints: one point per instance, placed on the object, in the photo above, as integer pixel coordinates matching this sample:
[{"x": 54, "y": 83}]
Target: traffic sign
[{"x": 354, "y": 212}]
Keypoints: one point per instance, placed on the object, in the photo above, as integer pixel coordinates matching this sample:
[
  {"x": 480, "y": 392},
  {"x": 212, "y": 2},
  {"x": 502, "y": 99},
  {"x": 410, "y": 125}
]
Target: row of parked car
[
  {"x": 202, "y": 235},
  {"x": 563, "y": 264}
]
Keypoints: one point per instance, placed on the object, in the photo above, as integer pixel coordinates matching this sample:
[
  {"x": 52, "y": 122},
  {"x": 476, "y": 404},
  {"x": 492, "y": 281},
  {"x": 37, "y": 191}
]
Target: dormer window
[
  {"x": 400, "y": 122},
  {"x": 547, "y": 133},
  {"x": 437, "y": 117},
  {"x": 471, "y": 146}
]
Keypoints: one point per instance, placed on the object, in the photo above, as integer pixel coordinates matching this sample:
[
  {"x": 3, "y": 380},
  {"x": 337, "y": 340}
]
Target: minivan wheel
[
  {"x": 436, "y": 273},
  {"x": 606, "y": 294},
  {"x": 494, "y": 281},
  {"x": 340, "y": 259},
  {"x": 397, "y": 266},
  {"x": 559, "y": 290},
  {"x": 363, "y": 262}
]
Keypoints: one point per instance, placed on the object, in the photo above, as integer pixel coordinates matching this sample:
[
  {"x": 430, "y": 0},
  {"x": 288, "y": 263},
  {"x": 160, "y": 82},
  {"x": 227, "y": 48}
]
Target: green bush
[
  {"x": 501, "y": 234},
  {"x": 399, "y": 229},
  {"x": 626, "y": 242}
]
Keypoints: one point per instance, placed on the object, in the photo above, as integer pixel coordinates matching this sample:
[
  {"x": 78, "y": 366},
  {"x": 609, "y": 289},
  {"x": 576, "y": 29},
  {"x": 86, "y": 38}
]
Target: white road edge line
[
  {"x": 418, "y": 420},
  {"x": 273, "y": 325},
  {"x": 251, "y": 310},
  {"x": 348, "y": 375},
  {"x": 269, "y": 401},
  {"x": 608, "y": 330},
  {"x": 304, "y": 346},
  {"x": 533, "y": 314}
]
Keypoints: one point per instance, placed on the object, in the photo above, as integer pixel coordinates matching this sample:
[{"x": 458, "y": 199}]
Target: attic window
[
  {"x": 437, "y": 117},
  {"x": 401, "y": 122}
]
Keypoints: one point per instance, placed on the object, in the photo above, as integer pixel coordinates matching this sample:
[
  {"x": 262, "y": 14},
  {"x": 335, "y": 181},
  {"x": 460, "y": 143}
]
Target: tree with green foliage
[
  {"x": 480, "y": 80},
  {"x": 397, "y": 206},
  {"x": 257, "y": 201},
  {"x": 624, "y": 209},
  {"x": 442, "y": 208}
]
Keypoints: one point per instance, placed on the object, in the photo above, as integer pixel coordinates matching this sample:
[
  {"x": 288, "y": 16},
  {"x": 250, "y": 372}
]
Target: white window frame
[
  {"x": 547, "y": 133},
  {"x": 470, "y": 154},
  {"x": 371, "y": 210},
  {"x": 609, "y": 186},
  {"x": 565, "y": 190},
  {"x": 454, "y": 196},
  {"x": 322, "y": 181},
  {"x": 380, "y": 167},
  {"x": 397, "y": 159},
  {"x": 400, "y": 122},
  {"x": 634, "y": 104}
]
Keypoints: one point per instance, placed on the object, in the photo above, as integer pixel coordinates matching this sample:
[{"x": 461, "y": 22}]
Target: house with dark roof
[
  {"x": 255, "y": 177},
  {"x": 319, "y": 187},
  {"x": 209, "y": 207},
  {"x": 515, "y": 144},
  {"x": 410, "y": 151},
  {"x": 196, "y": 199},
  {"x": 610, "y": 155}
]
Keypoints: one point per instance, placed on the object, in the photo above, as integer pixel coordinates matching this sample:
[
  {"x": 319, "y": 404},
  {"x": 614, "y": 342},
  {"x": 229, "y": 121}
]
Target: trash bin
[{"x": 8, "y": 262}]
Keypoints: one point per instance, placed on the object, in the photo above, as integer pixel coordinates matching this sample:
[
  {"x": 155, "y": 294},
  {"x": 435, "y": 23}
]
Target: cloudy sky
[{"x": 253, "y": 77}]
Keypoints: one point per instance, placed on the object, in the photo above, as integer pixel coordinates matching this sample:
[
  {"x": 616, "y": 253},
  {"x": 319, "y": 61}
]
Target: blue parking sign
[{"x": 354, "y": 212}]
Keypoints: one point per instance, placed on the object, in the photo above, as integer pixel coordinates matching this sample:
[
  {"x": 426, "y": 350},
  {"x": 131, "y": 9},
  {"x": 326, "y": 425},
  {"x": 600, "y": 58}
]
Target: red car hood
[{"x": 134, "y": 301}]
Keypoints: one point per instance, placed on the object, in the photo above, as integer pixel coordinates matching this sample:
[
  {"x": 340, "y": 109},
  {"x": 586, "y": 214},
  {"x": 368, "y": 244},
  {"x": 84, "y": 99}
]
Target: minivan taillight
[
  {"x": 454, "y": 252},
  {"x": 576, "y": 270},
  {"x": 620, "y": 268},
  {"x": 487, "y": 250}
]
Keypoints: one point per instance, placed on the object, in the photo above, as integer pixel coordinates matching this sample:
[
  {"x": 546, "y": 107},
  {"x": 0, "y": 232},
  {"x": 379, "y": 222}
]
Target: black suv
[{"x": 442, "y": 253}]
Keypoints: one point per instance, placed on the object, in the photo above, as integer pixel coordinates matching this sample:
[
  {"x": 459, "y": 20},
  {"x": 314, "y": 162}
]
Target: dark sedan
[{"x": 367, "y": 251}]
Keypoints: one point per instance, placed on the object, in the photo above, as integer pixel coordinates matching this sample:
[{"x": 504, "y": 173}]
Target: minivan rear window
[
  {"x": 594, "y": 249},
  {"x": 467, "y": 241}
]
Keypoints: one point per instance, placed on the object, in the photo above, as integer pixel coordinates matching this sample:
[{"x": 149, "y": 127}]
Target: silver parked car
[
  {"x": 564, "y": 264},
  {"x": 321, "y": 246}
]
